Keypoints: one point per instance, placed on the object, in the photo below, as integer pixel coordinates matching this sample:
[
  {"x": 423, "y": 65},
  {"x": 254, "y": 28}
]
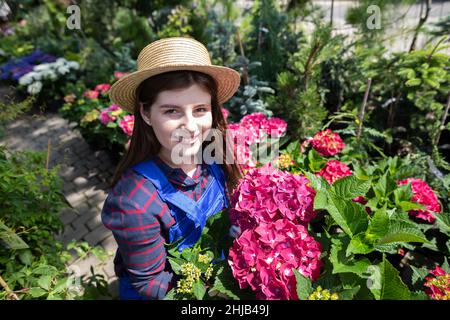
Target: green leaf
[
  {"x": 60, "y": 286},
  {"x": 402, "y": 231},
  {"x": 37, "y": 292},
  {"x": 304, "y": 285},
  {"x": 413, "y": 82},
  {"x": 350, "y": 187},
  {"x": 170, "y": 295},
  {"x": 199, "y": 290},
  {"x": 359, "y": 245},
  {"x": 342, "y": 264},
  {"x": 176, "y": 264},
  {"x": 10, "y": 239},
  {"x": 350, "y": 216},
  {"x": 226, "y": 284},
  {"x": 348, "y": 294},
  {"x": 26, "y": 257},
  {"x": 443, "y": 222},
  {"x": 44, "y": 282},
  {"x": 405, "y": 206},
  {"x": 385, "y": 283}
]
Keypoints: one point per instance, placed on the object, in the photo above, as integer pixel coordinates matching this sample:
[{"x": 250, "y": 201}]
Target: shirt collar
[{"x": 178, "y": 176}]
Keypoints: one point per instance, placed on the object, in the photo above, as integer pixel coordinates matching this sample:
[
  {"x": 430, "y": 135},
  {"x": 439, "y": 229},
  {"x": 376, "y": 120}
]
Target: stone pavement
[{"x": 86, "y": 174}]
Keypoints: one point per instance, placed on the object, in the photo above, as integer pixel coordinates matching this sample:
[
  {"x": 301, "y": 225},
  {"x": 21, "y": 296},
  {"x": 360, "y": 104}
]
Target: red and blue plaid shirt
[{"x": 140, "y": 222}]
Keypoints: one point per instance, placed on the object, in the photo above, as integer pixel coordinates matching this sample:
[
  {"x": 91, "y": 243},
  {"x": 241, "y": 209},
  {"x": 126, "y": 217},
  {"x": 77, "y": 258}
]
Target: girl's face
[{"x": 180, "y": 120}]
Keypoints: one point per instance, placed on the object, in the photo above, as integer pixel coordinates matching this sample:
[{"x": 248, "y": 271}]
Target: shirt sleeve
[{"x": 138, "y": 234}]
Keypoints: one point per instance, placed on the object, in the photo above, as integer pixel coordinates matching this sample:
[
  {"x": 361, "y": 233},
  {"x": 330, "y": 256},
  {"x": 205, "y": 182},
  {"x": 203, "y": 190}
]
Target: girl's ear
[{"x": 143, "y": 115}]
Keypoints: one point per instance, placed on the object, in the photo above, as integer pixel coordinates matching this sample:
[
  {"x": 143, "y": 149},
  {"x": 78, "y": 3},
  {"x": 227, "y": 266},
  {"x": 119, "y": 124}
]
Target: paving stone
[
  {"x": 84, "y": 266},
  {"x": 76, "y": 199},
  {"x": 97, "y": 235},
  {"x": 67, "y": 215},
  {"x": 83, "y": 219},
  {"x": 109, "y": 244},
  {"x": 80, "y": 181},
  {"x": 94, "y": 222},
  {"x": 79, "y": 232},
  {"x": 109, "y": 269}
]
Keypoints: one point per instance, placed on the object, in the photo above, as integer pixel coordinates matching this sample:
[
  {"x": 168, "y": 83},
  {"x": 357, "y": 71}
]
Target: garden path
[{"x": 85, "y": 173}]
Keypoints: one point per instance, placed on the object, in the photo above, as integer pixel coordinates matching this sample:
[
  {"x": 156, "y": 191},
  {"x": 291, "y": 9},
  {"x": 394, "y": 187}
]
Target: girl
[{"x": 176, "y": 98}]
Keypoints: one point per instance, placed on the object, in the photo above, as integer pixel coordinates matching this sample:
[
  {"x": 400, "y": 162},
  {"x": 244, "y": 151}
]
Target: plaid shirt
[{"x": 140, "y": 222}]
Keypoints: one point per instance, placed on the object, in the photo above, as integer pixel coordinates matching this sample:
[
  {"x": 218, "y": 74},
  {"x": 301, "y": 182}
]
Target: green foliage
[{"x": 300, "y": 99}]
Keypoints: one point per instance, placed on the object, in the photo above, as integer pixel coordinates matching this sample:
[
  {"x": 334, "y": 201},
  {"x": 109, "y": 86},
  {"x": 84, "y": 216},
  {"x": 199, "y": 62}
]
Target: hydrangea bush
[{"x": 319, "y": 225}]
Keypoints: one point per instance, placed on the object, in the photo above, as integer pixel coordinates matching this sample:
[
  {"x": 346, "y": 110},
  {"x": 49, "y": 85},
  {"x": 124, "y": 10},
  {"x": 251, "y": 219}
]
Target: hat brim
[{"x": 123, "y": 92}]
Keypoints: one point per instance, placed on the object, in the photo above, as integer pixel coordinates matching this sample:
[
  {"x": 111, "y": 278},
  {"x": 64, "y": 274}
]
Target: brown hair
[{"x": 144, "y": 144}]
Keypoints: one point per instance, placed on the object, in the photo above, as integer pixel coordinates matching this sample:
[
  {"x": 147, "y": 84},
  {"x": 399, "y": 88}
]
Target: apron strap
[{"x": 167, "y": 192}]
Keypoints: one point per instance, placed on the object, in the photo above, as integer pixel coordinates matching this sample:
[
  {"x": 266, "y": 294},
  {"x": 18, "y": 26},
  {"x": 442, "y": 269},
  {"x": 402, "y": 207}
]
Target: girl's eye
[
  {"x": 170, "y": 111},
  {"x": 202, "y": 110}
]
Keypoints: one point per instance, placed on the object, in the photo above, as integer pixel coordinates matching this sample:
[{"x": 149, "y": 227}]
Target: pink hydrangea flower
[
  {"x": 104, "y": 87},
  {"x": 262, "y": 258},
  {"x": 327, "y": 143},
  {"x": 127, "y": 124},
  {"x": 266, "y": 194},
  {"x": 119, "y": 75},
  {"x": 423, "y": 194},
  {"x": 91, "y": 94},
  {"x": 438, "y": 287},
  {"x": 274, "y": 127},
  {"x": 334, "y": 170},
  {"x": 106, "y": 116}
]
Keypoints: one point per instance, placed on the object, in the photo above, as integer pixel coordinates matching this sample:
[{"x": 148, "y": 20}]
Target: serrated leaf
[
  {"x": 359, "y": 245},
  {"x": 26, "y": 257},
  {"x": 37, "y": 292},
  {"x": 349, "y": 294},
  {"x": 350, "y": 187},
  {"x": 304, "y": 285},
  {"x": 170, "y": 295},
  {"x": 10, "y": 239},
  {"x": 350, "y": 216},
  {"x": 342, "y": 264},
  {"x": 199, "y": 290},
  {"x": 176, "y": 264},
  {"x": 226, "y": 284},
  {"x": 443, "y": 221},
  {"x": 44, "y": 282},
  {"x": 386, "y": 283},
  {"x": 402, "y": 231}
]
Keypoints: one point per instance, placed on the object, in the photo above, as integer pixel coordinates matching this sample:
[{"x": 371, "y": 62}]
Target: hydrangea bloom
[
  {"x": 254, "y": 128},
  {"x": 438, "y": 287},
  {"x": 127, "y": 124},
  {"x": 327, "y": 143},
  {"x": 103, "y": 87},
  {"x": 118, "y": 74},
  {"x": 334, "y": 170},
  {"x": 107, "y": 116},
  {"x": 263, "y": 258},
  {"x": 266, "y": 194},
  {"x": 424, "y": 195},
  {"x": 91, "y": 94}
]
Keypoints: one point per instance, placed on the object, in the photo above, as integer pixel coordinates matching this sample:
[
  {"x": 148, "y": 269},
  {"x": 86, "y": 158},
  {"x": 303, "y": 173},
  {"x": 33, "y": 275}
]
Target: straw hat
[{"x": 172, "y": 54}]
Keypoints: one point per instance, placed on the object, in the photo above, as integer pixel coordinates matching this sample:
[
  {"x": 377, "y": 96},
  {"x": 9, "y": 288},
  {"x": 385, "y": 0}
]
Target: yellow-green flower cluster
[
  {"x": 204, "y": 258},
  {"x": 284, "y": 161},
  {"x": 320, "y": 294},
  {"x": 90, "y": 116},
  {"x": 191, "y": 274},
  {"x": 208, "y": 272}
]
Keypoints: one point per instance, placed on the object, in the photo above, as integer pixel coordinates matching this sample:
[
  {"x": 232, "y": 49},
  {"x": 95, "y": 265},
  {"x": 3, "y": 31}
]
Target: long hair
[{"x": 144, "y": 144}]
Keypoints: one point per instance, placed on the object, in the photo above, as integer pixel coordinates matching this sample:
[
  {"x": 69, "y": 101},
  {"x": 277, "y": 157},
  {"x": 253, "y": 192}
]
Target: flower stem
[
  {"x": 363, "y": 108},
  {"x": 9, "y": 293}
]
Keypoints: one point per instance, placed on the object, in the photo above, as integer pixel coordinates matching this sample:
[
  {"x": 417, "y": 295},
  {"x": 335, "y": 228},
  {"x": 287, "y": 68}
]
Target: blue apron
[{"x": 190, "y": 216}]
